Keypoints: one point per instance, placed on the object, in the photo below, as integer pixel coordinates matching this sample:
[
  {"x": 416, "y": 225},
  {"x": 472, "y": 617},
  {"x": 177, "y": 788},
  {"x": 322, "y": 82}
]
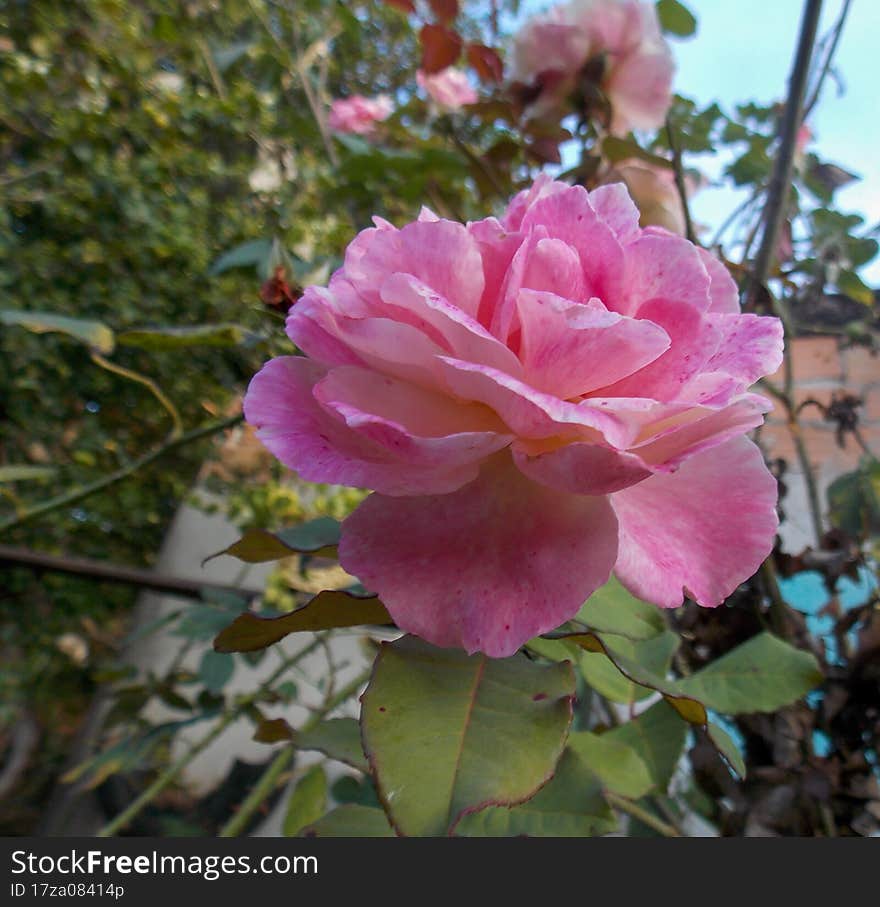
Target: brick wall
[{"x": 820, "y": 370}]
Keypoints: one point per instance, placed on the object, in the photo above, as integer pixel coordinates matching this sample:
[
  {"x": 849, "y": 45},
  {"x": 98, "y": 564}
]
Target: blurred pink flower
[
  {"x": 449, "y": 88},
  {"x": 358, "y": 114},
  {"x": 655, "y": 193},
  {"x": 535, "y": 401},
  {"x": 803, "y": 138},
  {"x": 553, "y": 49}
]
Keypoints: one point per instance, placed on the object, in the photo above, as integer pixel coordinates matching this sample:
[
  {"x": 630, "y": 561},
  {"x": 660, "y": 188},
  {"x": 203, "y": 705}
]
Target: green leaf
[
  {"x": 169, "y": 338},
  {"x": 616, "y": 149},
  {"x": 273, "y": 730},
  {"x": 447, "y": 733},
  {"x": 307, "y": 802},
  {"x": 618, "y": 766},
  {"x": 248, "y": 254},
  {"x": 854, "y": 500},
  {"x": 602, "y": 674},
  {"x": 684, "y": 702},
  {"x": 676, "y": 18},
  {"x": 658, "y": 735},
  {"x": 317, "y": 537},
  {"x": 761, "y": 675},
  {"x": 852, "y": 285},
  {"x": 215, "y": 669},
  {"x": 94, "y": 334},
  {"x": 570, "y": 806},
  {"x": 350, "y": 821},
  {"x": 349, "y": 789},
  {"x": 338, "y": 738},
  {"x": 723, "y": 742},
  {"x": 612, "y": 609},
  {"x": 326, "y": 611},
  {"x": 25, "y": 473}
]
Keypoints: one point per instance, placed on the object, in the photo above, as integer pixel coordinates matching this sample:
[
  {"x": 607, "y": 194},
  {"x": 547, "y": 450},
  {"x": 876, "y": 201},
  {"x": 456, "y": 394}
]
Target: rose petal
[
  {"x": 750, "y": 347},
  {"x": 703, "y": 430},
  {"x": 487, "y": 567},
  {"x": 459, "y": 334},
  {"x": 702, "y": 531},
  {"x": 311, "y": 328},
  {"x": 614, "y": 205},
  {"x": 532, "y": 414},
  {"x": 318, "y": 444},
  {"x": 660, "y": 266},
  {"x": 414, "y": 425},
  {"x": 722, "y": 287},
  {"x": 694, "y": 340},
  {"x": 640, "y": 91},
  {"x": 580, "y": 468},
  {"x": 441, "y": 254},
  {"x": 568, "y": 215},
  {"x": 568, "y": 349}
]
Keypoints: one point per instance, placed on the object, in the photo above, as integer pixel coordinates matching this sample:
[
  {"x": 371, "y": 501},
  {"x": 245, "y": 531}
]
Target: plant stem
[
  {"x": 679, "y": 181},
  {"x": 269, "y": 779},
  {"x": 826, "y": 65},
  {"x": 173, "y": 771},
  {"x": 101, "y": 571},
  {"x": 645, "y": 817},
  {"x": 78, "y": 494},
  {"x": 150, "y": 385},
  {"x": 261, "y": 791},
  {"x": 780, "y": 182}
]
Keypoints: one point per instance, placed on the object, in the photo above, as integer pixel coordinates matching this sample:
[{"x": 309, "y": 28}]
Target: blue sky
[{"x": 744, "y": 49}]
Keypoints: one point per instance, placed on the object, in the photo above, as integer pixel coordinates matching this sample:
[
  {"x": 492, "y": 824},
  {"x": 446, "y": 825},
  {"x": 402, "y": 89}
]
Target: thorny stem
[
  {"x": 780, "y": 182},
  {"x": 174, "y": 770},
  {"x": 78, "y": 494},
  {"x": 679, "y": 180},
  {"x": 645, "y": 817},
  {"x": 773, "y": 217},
  {"x": 269, "y": 779}
]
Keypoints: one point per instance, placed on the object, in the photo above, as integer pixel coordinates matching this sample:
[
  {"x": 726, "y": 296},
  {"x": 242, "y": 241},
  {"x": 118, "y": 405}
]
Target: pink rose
[
  {"x": 655, "y": 193},
  {"x": 449, "y": 88},
  {"x": 553, "y": 49},
  {"x": 358, "y": 114},
  {"x": 535, "y": 401}
]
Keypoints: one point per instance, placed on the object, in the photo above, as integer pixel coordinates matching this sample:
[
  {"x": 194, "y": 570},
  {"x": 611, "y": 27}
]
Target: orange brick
[
  {"x": 870, "y": 412},
  {"x": 822, "y": 450},
  {"x": 776, "y": 442},
  {"x": 824, "y": 453},
  {"x": 861, "y": 366},
  {"x": 815, "y": 359}
]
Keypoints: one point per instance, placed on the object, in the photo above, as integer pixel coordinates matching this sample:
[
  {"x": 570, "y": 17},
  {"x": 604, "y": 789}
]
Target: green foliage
[
  {"x": 318, "y": 537},
  {"x": 327, "y": 610},
  {"x": 307, "y": 801},
  {"x": 676, "y": 18},
  {"x": 338, "y": 738},
  {"x": 761, "y": 675},
  {"x": 448, "y": 733}
]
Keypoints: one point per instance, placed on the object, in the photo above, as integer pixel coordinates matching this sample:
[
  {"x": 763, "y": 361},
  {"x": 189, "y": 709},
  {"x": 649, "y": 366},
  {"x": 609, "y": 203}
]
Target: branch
[
  {"x": 777, "y": 196},
  {"x": 114, "y": 573},
  {"x": 269, "y": 779},
  {"x": 173, "y": 771},
  {"x": 679, "y": 181},
  {"x": 78, "y": 494},
  {"x": 152, "y": 387},
  {"x": 826, "y": 65},
  {"x": 637, "y": 812}
]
